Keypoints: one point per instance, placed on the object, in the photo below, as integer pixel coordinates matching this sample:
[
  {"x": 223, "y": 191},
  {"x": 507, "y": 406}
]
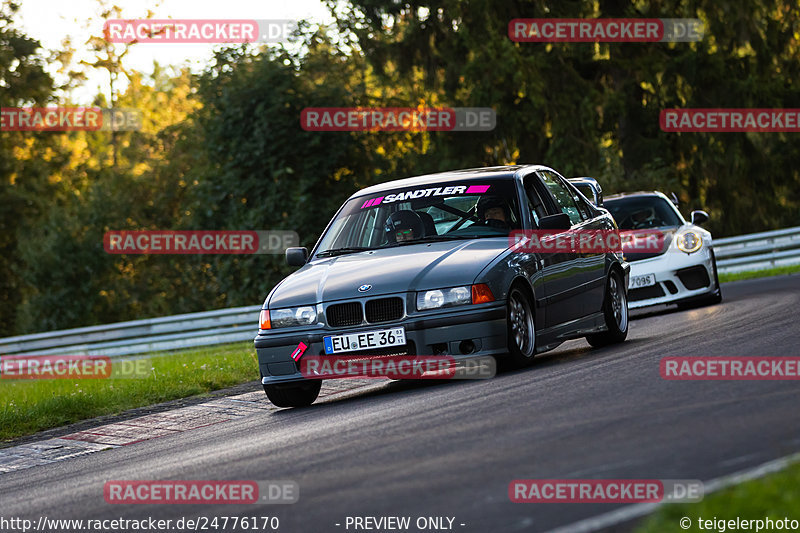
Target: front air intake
[
  {"x": 384, "y": 310},
  {"x": 341, "y": 315}
]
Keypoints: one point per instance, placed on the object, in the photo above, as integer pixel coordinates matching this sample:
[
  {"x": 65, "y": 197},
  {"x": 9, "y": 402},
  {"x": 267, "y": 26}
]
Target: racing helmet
[
  {"x": 403, "y": 221},
  {"x": 490, "y": 202},
  {"x": 644, "y": 218}
]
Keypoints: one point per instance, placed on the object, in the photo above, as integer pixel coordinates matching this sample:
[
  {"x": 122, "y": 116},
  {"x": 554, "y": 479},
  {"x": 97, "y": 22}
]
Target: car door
[
  {"x": 561, "y": 274},
  {"x": 593, "y": 262}
]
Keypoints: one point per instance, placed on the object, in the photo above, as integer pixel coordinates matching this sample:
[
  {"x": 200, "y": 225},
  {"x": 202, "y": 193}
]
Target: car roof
[
  {"x": 637, "y": 193},
  {"x": 477, "y": 174}
]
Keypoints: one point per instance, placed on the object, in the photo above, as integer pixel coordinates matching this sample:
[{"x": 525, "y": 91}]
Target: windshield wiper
[{"x": 342, "y": 251}]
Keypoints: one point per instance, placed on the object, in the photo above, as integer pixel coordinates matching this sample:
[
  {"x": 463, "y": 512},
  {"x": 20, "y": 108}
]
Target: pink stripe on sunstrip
[
  {"x": 477, "y": 189},
  {"x": 370, "y": 203}
]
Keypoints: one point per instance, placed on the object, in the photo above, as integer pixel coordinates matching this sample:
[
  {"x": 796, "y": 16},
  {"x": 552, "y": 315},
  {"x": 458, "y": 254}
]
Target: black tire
[
  {"x": 294, "y": 394},
  {"x": 615, "y": 310},
  {"x": 716, "y": 297},
  {"x": 521, "y": 327}
]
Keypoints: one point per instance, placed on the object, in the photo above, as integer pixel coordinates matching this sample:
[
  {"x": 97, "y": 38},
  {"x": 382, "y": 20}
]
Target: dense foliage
[{"x": 224, "y": 149}]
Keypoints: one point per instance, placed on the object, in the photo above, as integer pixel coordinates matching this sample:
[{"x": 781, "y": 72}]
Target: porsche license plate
[{"x": 637, "y": 282}]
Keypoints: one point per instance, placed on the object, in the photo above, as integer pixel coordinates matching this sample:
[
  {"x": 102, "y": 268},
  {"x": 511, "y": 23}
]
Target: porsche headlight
[
  {"x": 688, "y": 242},
  {"x": 292, "y": 316},
  {"x": 438, "y": 298}
]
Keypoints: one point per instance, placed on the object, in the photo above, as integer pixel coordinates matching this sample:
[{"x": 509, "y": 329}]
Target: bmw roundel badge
[{"x": 364, "y": 288}]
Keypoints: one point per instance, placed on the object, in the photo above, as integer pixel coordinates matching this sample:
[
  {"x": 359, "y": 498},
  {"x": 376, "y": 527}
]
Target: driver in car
[
  {"x": 644, "y": 218},
  {"x": 494, "y": 212},
  {"x": 403, "y": 226}
]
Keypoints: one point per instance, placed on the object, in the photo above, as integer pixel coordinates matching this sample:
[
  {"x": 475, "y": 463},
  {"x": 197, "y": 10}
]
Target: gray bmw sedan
[{"x": 427, "y": 266}]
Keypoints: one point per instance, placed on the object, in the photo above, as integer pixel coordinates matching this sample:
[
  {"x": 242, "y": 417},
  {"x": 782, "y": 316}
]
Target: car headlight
[
  {"x": 688, "y": 242},
  {"x": 285, "y": 318},
  {"x": 438, "y": 298}
]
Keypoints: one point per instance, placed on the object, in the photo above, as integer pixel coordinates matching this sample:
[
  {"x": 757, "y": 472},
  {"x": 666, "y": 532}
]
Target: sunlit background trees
[{"x": 223, "y": 148}]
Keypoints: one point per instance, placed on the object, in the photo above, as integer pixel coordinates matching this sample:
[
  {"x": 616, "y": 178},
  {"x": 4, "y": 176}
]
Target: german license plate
[
  {"x": 637, "y": 282},
  {"x": 365, "y": 340}
]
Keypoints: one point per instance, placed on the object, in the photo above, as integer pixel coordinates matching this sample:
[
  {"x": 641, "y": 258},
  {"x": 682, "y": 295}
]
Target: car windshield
[
  {"x": 423, "y": 213},
  {"x": 642, "y": 212}
]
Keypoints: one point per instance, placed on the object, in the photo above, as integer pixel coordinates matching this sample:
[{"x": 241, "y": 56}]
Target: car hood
[
  {"x": 391, "y": 270},
  {"x": 666, "y": 238}
]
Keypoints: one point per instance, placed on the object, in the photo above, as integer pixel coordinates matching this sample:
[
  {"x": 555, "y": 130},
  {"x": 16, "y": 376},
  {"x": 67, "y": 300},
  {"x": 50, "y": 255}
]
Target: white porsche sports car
[{"x": 683, "y": 271}]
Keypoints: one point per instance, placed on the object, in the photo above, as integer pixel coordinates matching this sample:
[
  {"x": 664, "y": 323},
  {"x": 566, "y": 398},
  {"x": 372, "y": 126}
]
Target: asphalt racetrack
[{"x": 451, "y": 449}]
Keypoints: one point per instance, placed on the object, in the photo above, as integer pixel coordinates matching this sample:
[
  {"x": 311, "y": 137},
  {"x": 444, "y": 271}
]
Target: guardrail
[
  {"x": 734, "y": 254},
  {"x": 758, "y": 251},
  {"x": 142, "y": 336}
]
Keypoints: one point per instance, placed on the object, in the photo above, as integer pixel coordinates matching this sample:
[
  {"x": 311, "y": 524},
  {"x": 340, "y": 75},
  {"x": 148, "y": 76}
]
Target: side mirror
[
  {"x": 296, "y": 257},
  {"x": 555, "y": 222},
  {"x": 698, "y": 217}
]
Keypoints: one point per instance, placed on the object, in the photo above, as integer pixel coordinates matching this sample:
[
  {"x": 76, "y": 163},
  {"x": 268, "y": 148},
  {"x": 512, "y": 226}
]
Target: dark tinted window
[
  {"x": 583, "y": 205},
  {"x": 586, "y": 190},
  {"x": 562, "y": 195},
  {"x": 642, "y": 212},
  {"x": 536, "y": 207}
]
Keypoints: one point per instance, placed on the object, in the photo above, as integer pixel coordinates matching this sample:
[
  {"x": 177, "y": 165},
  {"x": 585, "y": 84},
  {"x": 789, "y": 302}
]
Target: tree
[
  {"x": 593, "y": 108},
  {"x": 23, "y": 81}
]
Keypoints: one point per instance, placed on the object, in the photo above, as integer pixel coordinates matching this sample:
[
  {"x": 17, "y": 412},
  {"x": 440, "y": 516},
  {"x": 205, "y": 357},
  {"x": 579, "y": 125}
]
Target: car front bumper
[
  {"x": 436, "y": 334},
  {"x": 679, "y": 276}
]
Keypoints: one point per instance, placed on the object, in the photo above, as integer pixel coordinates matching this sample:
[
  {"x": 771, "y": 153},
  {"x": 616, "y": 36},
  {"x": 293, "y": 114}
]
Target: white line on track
[{"x": 629, "y": 512}]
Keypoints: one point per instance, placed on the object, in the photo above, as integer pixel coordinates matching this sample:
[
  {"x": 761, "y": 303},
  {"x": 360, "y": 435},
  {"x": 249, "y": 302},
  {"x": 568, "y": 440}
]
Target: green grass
[
  {"x": 28, "y": 406},
  {"x": 777, "y": 271},
  {"x": 775, "y": 496}
]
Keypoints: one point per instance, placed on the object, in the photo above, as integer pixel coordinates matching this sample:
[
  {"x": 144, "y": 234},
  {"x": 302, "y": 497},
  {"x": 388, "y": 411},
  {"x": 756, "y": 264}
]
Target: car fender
[{"x": 505, "y": 269}]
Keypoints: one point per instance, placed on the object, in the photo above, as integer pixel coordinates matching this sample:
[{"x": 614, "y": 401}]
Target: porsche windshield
[
  {"x": 423, "y": 213},
  {"x": 642, "y": 212}
]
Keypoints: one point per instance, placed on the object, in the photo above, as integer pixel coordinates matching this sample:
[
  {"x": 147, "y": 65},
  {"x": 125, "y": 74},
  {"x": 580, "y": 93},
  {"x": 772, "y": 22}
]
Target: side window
[
  {"x": 583, "y": 206},
  {"x": 536, "y": 207},
  {"x": 587, "y": 191},
  {"x": 562, "y": 196}
]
